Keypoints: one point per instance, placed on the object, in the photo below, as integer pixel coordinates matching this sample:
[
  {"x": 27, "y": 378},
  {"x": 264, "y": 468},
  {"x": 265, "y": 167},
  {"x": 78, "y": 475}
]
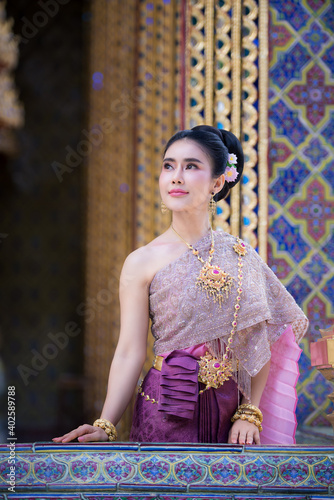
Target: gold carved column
[
  {"x": 156, "y": 121},
  {"x": 110, "y": 188},
  {"x": 227, "y": 87},
  {"x": 156, "y": 118}
]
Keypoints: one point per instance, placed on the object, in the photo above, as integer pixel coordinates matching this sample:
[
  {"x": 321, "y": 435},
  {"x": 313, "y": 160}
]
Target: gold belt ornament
[
  {"x": 212, "y": 372},
  {"x": 157, "y": 362}
]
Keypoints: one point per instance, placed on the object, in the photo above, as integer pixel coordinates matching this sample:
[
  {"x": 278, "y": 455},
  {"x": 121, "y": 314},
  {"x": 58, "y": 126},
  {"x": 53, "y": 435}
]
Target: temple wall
[{"x": 301, "y": 168}]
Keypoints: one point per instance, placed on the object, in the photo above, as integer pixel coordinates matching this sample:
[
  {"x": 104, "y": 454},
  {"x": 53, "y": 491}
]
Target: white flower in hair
[
  {"x": 231, "y": 174},
  {"x": 232, "y": 159}
]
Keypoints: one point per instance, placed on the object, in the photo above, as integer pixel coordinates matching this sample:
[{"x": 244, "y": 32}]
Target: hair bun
[{"x": 234, "y": 147}]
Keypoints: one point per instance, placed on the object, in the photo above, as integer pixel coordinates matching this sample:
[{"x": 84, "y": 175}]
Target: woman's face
[{"x": 186, "y": 179}]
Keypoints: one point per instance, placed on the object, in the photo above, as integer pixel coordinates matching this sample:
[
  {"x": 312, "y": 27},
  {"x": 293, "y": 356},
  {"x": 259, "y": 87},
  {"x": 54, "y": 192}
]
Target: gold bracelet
[
  {"x": 247, "y": 412},
  {"x": 251, "y": 408},
  {"x": 250, "y": 418},
  {"x": 108, "y": 428}
]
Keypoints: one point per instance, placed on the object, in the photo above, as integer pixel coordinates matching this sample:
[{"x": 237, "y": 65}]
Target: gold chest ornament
[{"x": 217, "y": 284}]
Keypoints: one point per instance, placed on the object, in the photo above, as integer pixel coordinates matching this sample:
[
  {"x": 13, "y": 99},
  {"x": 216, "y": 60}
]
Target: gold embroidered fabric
[{"x": 183, "y": 316}]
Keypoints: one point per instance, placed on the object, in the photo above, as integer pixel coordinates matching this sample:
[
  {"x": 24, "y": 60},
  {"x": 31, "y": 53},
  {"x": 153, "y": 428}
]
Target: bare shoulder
[
  {"x": 135, "y": 267},
  {"x": 142, "y": 264}
]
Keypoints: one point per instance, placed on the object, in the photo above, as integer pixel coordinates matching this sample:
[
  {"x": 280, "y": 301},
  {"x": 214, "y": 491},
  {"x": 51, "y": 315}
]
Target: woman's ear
[{"x": 219, "y": 183}]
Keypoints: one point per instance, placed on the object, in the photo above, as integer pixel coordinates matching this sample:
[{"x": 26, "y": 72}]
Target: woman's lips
[{"x": 177, "y": 192}]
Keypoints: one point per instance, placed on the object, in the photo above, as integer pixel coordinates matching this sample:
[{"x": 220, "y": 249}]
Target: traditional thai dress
[{"x": 187, "y": 323}]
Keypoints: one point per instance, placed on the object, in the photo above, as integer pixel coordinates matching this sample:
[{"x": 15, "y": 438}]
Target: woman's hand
[
  {"x": 244, "y": 432},
  {"x": 85, "y": 433}
]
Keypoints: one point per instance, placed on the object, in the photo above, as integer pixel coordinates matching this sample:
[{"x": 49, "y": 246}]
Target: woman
[{"x": 219, "y": 315}]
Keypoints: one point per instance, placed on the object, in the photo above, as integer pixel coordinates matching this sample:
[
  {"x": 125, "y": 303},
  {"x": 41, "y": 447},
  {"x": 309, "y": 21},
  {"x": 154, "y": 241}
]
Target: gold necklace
[
  {"x": 212, "y": 279},
  {"x": 215, "y": 372}
]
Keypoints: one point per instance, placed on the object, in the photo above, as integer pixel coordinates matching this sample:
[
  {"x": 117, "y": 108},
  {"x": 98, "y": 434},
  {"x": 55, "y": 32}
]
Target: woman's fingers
[
  {"x": 84, "y": 433},
  {"x": 83, "y": 429},
  {"x": 97, "y": 435},
  {"x": 257, "y": 436},
  {"x": 234, "y": 435},
  {"x": 243, "y": 432}
]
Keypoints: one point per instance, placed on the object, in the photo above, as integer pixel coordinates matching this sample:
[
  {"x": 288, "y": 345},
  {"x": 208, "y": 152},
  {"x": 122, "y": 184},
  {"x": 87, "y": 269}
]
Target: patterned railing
[{"x": 165, "y": 472}]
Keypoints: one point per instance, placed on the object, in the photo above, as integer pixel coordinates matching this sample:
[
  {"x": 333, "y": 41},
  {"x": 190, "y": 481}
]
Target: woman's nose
[{"x": 177, "y": 177}]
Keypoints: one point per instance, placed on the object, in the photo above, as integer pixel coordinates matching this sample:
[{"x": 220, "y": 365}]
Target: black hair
[{"x": 217, "y": 143}]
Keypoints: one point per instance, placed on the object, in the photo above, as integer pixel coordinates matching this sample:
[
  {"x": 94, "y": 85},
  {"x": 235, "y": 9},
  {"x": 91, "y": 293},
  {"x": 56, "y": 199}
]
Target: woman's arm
[
  {"x": 242, "y": 431},
  {"x": 130, "y": 353}
]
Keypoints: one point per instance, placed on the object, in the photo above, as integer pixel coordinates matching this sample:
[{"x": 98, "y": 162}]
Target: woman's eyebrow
[{"x": 185, "y": 159}]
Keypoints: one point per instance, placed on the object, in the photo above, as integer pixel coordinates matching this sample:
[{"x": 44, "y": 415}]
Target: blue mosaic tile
[
  {"x": 299, "y": 289},
  {"x": 315, "y": 152},
  {"x": 189, "y": 472},
  {"x": 304, "y": 408},
  {"x": 271, "y": 210},
  {"x": 48, "y": 470},
  {"x": 161, "y": 477},
  {"x": 315, "y": 37},
  {"x": 328, "y": 174},
  {"x": 328, "y": 130},
  {"x": 304, "y": 365},
  {"x": 328, "y": 289},
  {"x": 316, "y": 268},
  {"x": 289, "y": 65},
  {"x": 293, "y": 472},
  {"x": 316, "y": 313},
  {"x": 328, "y": 249},
  {"x": 324, "y": 472},
  {"x": 155, "y": 469},
  {"x": 328, "y": 17},
  {"x": 289, "y": 181},
  {"x": 271, "y": 94},
  {"x": 320, "y": 420},
  {"x": 226, "y": 471},
  {"x": 83, "y": 470},
  {"x": 287, "y": 123},
  {"x": 259, "y": 472},
  {"x": 319, "y": 387},
  {"x": 278, "y": 152},
  {"x": 118, "y": 470},
  {"x": 328, "y": 57},
  {"x": 289, "y": 239},
  {"x": 291, "y": 11}
]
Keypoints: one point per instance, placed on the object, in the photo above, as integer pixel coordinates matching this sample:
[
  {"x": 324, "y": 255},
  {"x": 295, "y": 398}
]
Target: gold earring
[
  {"x": 212, "y": 205},
  {"x": 164, "y": 209}
]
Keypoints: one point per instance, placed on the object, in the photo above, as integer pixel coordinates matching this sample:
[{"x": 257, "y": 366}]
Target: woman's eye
[
  {"x": 167, "y": 166},
  {"x": 191, "y": 165}
]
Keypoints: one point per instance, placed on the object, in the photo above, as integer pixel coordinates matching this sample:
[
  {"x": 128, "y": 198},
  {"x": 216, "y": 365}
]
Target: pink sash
[{"x": 279, "y": 398}]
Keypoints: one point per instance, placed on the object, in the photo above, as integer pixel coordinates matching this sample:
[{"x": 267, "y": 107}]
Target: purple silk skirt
[{"x": 209, "y": 420}]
